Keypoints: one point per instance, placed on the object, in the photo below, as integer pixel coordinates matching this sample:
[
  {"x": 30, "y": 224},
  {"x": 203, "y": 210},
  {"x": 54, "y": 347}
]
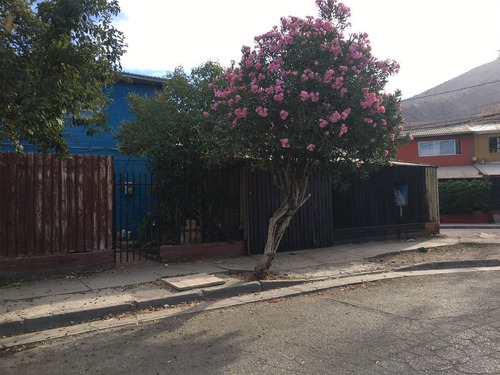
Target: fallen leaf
[
  {"x": 352, "y": 287},
  {"x": 276, "y": 300}
]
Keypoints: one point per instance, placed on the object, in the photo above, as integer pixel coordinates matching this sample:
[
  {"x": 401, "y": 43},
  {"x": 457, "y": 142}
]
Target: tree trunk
[{"x": 293, "y": 198}]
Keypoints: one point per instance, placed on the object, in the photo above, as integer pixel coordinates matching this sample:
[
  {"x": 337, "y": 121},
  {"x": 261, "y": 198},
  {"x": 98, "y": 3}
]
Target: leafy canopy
[
  {"x": 56, "y": 59},
  {"x": 308, "y": 94},
  {"x": 167, "y": 127}
]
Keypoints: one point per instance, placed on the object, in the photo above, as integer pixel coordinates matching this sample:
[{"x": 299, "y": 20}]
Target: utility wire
[
  {"x": 450, "y": 91},
  {"x": 472, "y": 112}
]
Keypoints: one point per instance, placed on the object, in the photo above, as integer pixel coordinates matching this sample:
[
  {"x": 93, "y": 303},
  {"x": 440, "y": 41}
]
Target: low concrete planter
[{"x": 173, "y": 253}]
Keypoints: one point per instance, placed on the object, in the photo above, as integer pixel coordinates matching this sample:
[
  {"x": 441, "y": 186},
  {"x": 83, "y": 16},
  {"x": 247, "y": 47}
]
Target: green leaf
[{"x": 57, "y": 62}]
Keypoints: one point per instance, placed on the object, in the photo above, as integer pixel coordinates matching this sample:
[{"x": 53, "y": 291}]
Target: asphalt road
[{"x": 447, "y": 324}]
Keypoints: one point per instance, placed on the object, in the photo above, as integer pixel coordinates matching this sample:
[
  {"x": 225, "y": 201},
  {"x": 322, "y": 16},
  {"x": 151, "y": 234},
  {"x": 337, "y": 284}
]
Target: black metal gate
[
  {"x": 136, "y": 217},
  {"x": 201, "y": 206},
  {"x": 177, "y": 207}
]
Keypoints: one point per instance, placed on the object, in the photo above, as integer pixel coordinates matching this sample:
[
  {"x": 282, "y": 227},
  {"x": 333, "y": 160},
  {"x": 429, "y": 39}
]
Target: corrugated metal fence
[{"x": 50, "y": 205}]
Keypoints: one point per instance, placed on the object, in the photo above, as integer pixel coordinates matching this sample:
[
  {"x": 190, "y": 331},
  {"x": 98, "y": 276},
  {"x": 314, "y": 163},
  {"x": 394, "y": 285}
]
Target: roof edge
[
  {"x": 455, "y": 130},
  {"x": 139, "y": 78}
]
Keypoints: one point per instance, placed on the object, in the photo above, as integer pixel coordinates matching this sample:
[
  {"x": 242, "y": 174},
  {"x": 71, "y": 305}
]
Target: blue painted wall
[{"x": 105, "y": 144}]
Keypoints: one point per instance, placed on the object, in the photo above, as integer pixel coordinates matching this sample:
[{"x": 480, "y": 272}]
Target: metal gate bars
[
  {"x": 136, "y": 218},
  {"x": 177, "y": 208}
]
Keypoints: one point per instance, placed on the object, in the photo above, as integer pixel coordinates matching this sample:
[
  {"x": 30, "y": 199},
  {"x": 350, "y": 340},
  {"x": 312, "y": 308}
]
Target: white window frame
[{"x": 436, "y": 148}]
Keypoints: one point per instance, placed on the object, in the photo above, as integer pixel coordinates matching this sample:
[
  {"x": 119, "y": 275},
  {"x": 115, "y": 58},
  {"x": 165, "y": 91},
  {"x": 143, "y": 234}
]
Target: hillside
[{"x": 473, "y": 97}]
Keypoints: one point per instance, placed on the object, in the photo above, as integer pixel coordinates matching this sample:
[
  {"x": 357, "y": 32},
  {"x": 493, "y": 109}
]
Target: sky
[{"x": 433, "y": 40}]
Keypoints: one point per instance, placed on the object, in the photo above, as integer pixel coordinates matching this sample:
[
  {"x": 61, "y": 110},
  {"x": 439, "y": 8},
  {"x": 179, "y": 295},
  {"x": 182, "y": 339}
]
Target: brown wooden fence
[{"x": 53, "y": 206}]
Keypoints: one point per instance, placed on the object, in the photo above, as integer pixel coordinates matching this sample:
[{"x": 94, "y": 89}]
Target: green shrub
[{"x": 464, "y": 196}]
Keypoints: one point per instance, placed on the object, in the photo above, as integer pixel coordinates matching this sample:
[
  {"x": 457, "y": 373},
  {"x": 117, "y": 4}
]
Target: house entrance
[
  {"x": 180, "y": 209},
  {"x": 136, "y": 217}
]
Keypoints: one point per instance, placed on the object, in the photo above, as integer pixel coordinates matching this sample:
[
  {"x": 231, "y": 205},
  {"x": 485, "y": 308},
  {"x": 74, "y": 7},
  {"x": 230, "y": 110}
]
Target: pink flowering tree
[{"x": 307, "y": 95}]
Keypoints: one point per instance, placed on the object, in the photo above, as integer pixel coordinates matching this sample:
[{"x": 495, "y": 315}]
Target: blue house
[
  {"x": 131, "y": 201},
  {"x": 106, "y": 144}
]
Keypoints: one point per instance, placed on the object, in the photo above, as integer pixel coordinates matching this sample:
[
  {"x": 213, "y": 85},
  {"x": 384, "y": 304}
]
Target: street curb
[
  {"x": 66, "y": 319},
  {"x": 187, "y": 297},
  {"x": 21, "y": 326},
  {"x": 266, "y": 296},
  {"x": 278, "y": 284},
  {"x": 232, "y": 290},
  {"x": 24, "y": 326},
  {"x": 451, "y": 264},
  {"x": 11, "y": 328}
]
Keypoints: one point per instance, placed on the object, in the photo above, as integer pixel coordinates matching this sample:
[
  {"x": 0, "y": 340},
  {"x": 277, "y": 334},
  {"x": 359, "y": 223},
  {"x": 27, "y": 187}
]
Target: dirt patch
[
  {"x": 249, "y": 276},
  {"x": 463, "y": 251}
]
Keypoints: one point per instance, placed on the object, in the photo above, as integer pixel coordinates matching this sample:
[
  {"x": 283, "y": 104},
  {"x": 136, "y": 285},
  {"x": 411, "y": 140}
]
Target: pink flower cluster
[
  {"x": 370, "y": 98},
  {"x": 335, "y": 117},
  {"x": 267, "y": 80},
  {"x": 329, "y": 75},
  {"x": 346, "y": 113},
  {"x": 343, "y": 130},
  {"x": 304, "y": 96},
  {"x": 284, "y": 143},
  {"x": 262, "y": 112},
  {"x": 241, "y": 112}
]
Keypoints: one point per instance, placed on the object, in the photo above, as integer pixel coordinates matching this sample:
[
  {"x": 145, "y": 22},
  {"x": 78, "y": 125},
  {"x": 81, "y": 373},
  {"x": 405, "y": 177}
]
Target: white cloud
[{"x": 434, "y": 40}]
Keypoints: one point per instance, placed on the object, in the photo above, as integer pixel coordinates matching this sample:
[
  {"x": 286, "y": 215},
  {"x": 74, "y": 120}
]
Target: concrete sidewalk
[{"x": 130, "y": 287}]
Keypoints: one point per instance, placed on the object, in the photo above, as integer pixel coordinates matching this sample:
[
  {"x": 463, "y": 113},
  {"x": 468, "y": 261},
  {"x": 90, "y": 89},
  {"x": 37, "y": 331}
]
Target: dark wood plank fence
[
  {"x": 50, "y": 205},
  {"x": 312, "y": 226},
  {"x": 365, "y": 211}
]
